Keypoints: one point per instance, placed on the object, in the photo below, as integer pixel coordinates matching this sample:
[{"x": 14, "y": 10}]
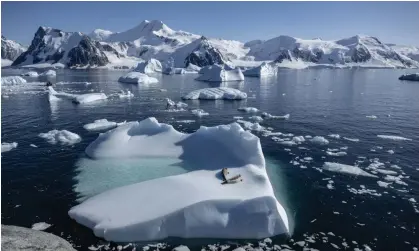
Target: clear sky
[{"x": 391, "y": 22}]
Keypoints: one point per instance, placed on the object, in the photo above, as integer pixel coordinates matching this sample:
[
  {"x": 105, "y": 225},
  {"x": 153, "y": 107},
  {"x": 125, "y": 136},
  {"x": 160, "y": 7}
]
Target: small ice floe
[
  {"x": 162, "y": 90},
  {"x": 12, "y": 80},
  {"x": 334, "y": 245},
  {"x": 32, "y": 145},
  {"x": 300, "y": 243},
  {"x": 181, "y": 248},
  {"x": 248, "y": 109},
  {"x": 199, "y": 112},
  {"x": 100, "y": 125},
  {"x": 237, "y": 117},
  {"x": 346, "y": 169},
  {"x": 170, "y": 103},
  {"x": 270, "y": 116},
  {"x": 363, "y": 190},
  {"x": 319, "y": 140},
  {"x": 5, "y": 147},
  {"x": 185, "y": 121},
  {"x": 216, "y": 93},
  {"x": 62, "y": 137},
  {"x": 371, "y": 117},
  {"x": 351, "y": 139},
  {"x": 48, "y": 73},
  {"x": 41, "y": 226},
  {"x": 256, "y": 118},
  {"x": 336, "y": 154},
  {"x": 393, "y": 137},
  {"x": 383, "y": 184},
  {"x": 390, "y": 151},
  {"x": 32, "y": 74},
  {"x": 127, "y": 94}
]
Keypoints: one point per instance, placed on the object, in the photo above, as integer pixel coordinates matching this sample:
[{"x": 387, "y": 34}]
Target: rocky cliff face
[
  {"x": 204, "y": 54},
  {"x": 87, "y": 52}
]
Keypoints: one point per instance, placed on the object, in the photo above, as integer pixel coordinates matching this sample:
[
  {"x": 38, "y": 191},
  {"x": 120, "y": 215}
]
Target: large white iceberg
[
  {"x": 265, "y": 69},
  {"x": 32, "y": 74},
  {"x": 137, "y": 78},
  {"x": 150, "y": 66},
  {"x": 216, "y": 93},
  {"x": 48, "y": 73},
  {"x": 218, "y": 73},
  {"x": 77, "y": 98},
  {"x": 190, "y": 205},
  {"x": 62, "y": 137},
  {"x": 410, "y": 77},
  {"x": 12, "y": 80}
]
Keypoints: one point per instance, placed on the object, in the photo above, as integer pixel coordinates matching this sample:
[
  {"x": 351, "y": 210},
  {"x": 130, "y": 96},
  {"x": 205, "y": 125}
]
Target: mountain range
[{"x": 153, "y": 39}]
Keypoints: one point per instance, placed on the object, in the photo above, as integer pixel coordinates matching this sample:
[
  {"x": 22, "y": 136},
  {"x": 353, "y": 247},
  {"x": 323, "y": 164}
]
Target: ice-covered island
[{"x": 191, "y": 205}]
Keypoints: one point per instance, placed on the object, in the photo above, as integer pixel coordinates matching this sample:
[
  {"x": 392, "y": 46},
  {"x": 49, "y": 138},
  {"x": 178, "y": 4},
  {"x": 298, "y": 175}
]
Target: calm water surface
[{"x": 41, "y": 184}]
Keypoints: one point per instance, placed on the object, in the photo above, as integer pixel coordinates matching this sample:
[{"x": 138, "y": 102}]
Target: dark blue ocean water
[{"x": 41, "y": 181}]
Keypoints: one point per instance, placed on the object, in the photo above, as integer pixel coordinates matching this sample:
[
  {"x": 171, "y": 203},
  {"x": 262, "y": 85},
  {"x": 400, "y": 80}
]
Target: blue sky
[{"x": 392, "y": 22}]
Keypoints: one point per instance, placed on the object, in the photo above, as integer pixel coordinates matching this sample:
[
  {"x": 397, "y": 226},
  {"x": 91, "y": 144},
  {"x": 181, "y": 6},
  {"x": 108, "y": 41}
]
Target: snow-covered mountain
[
  {"x": 10, "y": 50},
  {"x": 411, "y": 52},
  {"x": 154, "y": 39}
]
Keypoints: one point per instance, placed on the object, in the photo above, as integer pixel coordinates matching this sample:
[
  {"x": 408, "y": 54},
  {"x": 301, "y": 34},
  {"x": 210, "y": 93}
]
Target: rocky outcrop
[
  {"x": 20, "y": 238},
  {"x": 204, "y": 54},
  {"x": 88, "y": 52},
  {"x": 10, "y": 49}
]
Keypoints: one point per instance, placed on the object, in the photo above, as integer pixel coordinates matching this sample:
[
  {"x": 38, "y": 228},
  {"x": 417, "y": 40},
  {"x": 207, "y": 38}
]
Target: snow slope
[
  {"x": 189, "y": 205},
  {"x": 10, "y": 49}
]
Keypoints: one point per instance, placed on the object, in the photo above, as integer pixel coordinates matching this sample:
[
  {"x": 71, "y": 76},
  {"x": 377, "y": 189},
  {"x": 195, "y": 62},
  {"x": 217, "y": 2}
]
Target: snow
[
  {"x": 346, "y": 169},
  {"x": 393, "y": 137},
  {"x": 199, "y": 112},
  {"x": 216, "y": 93},
  {"x": 137, "y": 78},
  {"x": 150, "y": 66},
  {"x": 100, "y": 125},
  {"x": 48, "y": 73},
  {"x": 5, "y": 147},
  {"x": 410, "y": 77},
  {"x": 265, "y": 69},
  {"x": 319, "y": 140},
  {"x": 62, "y": 137},
  {"x": 40, "y": 226},
  {"x": 6, "y": 62},
  {"x": 248, "y": 109},
  {"x": 32, "y": 74},
  {"x": 76, "y": 98},
  {"x": 12, "y": 80},
  {"x": 269, "y": 116},
  {"x": 191, "y": 205},
  {"x": 218, "y": 73}
]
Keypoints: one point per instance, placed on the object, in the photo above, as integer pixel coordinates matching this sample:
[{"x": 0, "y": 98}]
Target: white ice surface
[
  {"x": 5, "y": 147},
  {"x": 100, "y": 125},
  {"x": 12, "y": 80},
  {"x": 40, "y": 226},
  {"x": 48, "y": 73},
  {"x": 62, "y": 137},
  {"x": 266, "y": 115},
  {"x": 199, "y": 112},
  {"x": 137, "y": 78},
  {"x": 216, "y": 93},
  {"x": 248, "y": 109},
  {"x": 149, "y": 67},
  {"x": 319, "y": 140},
  {"x": 77, "y": 98},
  {"x": 218, "y": 73},
  {"x": 32, "y": 74},
  {"x": 263, "y": 70},
  {"x": 346, "y": 169},
  {"x": 190, "y": 205},
  {"x": 393, "y": 137}
]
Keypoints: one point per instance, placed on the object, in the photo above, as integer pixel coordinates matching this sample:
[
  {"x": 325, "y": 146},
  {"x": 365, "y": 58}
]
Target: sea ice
[
  {"x": 392, "y": 137},
  {"x": 247, "y": 109},
  {"x": 199, "y": 112},
  {"x": 32, "y": 74},
  {"x": 336, "y": 154},
  {"x": 12, "y": 80},
  {"x": 5, "y": 147},
  {"x": 63, "y": 137},
  {"x": 335, "y": 136},
  {"x": 383, "y": 184},
  {"x": 351, "y": 139},
  {"x": 41, "y": 226},
  {"x": 137, "y": 78},
  {"x": 191, "y": 205},
  {"x": 77, "y": 98},
  {"x": 217, "y": 73},
  {"x": 127, "y": 94},
  {"x": 256, "y": 118},
  {"x": 48, "y": 73},
  {"x": 269, "y": 116},
  {"x": 100, "y": 125},
  {"x": 346, "y": 169},
  {"x": 319, "y": 140},
  {"x": 216, "y": 93}
]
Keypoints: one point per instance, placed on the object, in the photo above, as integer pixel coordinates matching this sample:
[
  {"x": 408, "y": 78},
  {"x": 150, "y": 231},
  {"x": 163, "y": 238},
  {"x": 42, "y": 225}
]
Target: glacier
[
  {"x": 216, "y": 93},
  {"x": 190, "y": 205}
]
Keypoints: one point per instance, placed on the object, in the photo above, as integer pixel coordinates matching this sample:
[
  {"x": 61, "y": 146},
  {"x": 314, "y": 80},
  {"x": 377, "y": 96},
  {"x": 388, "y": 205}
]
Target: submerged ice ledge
[{"x": 190, "y": 205}]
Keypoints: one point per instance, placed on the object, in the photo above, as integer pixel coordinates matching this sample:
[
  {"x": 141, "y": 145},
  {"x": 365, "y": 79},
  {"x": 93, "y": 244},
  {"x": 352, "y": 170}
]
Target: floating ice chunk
[
  {"x": 216, "y": 93},
  {"x": 410, "y": 77},
  {"x": 5, "y": 147},
  {"x": 181, "y": 248},
  {"x": 392, "y": 137},
  {"x": 346, "y": 169},
  {"x": 252, "y": 126},
  {"x": 351, "y": 139},
  {"x": 63, "y": 137},
  {"x": 192, "y": 68},
  {"x": 218, "y": 73},
  {"x": 298, "y": 139},
  {"x": 76, "y": 98},
  {"x": 32, "y": 145},
  {"x": 12, "y": 80},
  {"x": 269, "y": 116},
  {"x": 171, "y": 103},
  {"x": 191, "y": 205},
  {"x": 383, "y": 184},
  {"x": 32, "y": 74},
  {"x": 186, "y": 121},
  {"x": 371, "y": 117},
  {"x": 199, "y": 112},
  {"x": 336, "y": 154},
  {"x": 319, "y": 140},
  {"x": 237, "y": 117},
  {"x": 48, "y": 73},
  {"x": 127, "y": 94},
  {"x": 263, "y": 70},
  {"x": 41, "y": 226},
  {"x": 150, "y": 66},
  {"x": 390, "y": 151},
  {"x": 256, "y": 118},
  {"x": 300, "y": 243},
  {"x": 247, "y": 109},
  {"x": 412, "y": 200},
  {"x": 100, "y": 125},
  {"x": 384, "y": 171},
  {"x": 335, "y": 136},
  {"x": 137, "y": 78}
]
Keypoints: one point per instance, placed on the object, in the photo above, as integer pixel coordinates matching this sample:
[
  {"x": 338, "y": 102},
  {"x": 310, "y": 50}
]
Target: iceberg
[
  {"x": 190, "y": 205},
  {"x": 32, "y": 74},
  {"x": 216, "y": 93},
  {"x": 100, "y": 125},
  {"x": 12, "y": 80},
  {"x": 148, "y": 67},
  {"x": 410, "y": 77},
  {"x": 76, "y": 98},
  {"x": 5, "y": 147},
  {"x": 263, "y": 70},
  {"x": 218, "y": 73},
  {"x": 49, "y": 73},
  {"x": 137, "y": 78},
  {"x": 346, "y": 169},
  {"x": 63, "y": 137}
]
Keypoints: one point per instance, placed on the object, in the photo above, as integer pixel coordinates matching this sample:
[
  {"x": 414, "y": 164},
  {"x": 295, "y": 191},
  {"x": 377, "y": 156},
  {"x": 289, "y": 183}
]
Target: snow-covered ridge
[
  {"x": 194, "y": 204},
  {"x": 10, "y": 49}
]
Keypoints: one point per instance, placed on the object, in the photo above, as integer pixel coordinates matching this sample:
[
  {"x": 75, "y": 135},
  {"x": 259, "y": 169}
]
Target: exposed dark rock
[
  {"x": 204, "y": 54},
  {"x": 88, "y": 52},
  {"x": 284, "y": 55},
  {"x": 360, "y": 54}
]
